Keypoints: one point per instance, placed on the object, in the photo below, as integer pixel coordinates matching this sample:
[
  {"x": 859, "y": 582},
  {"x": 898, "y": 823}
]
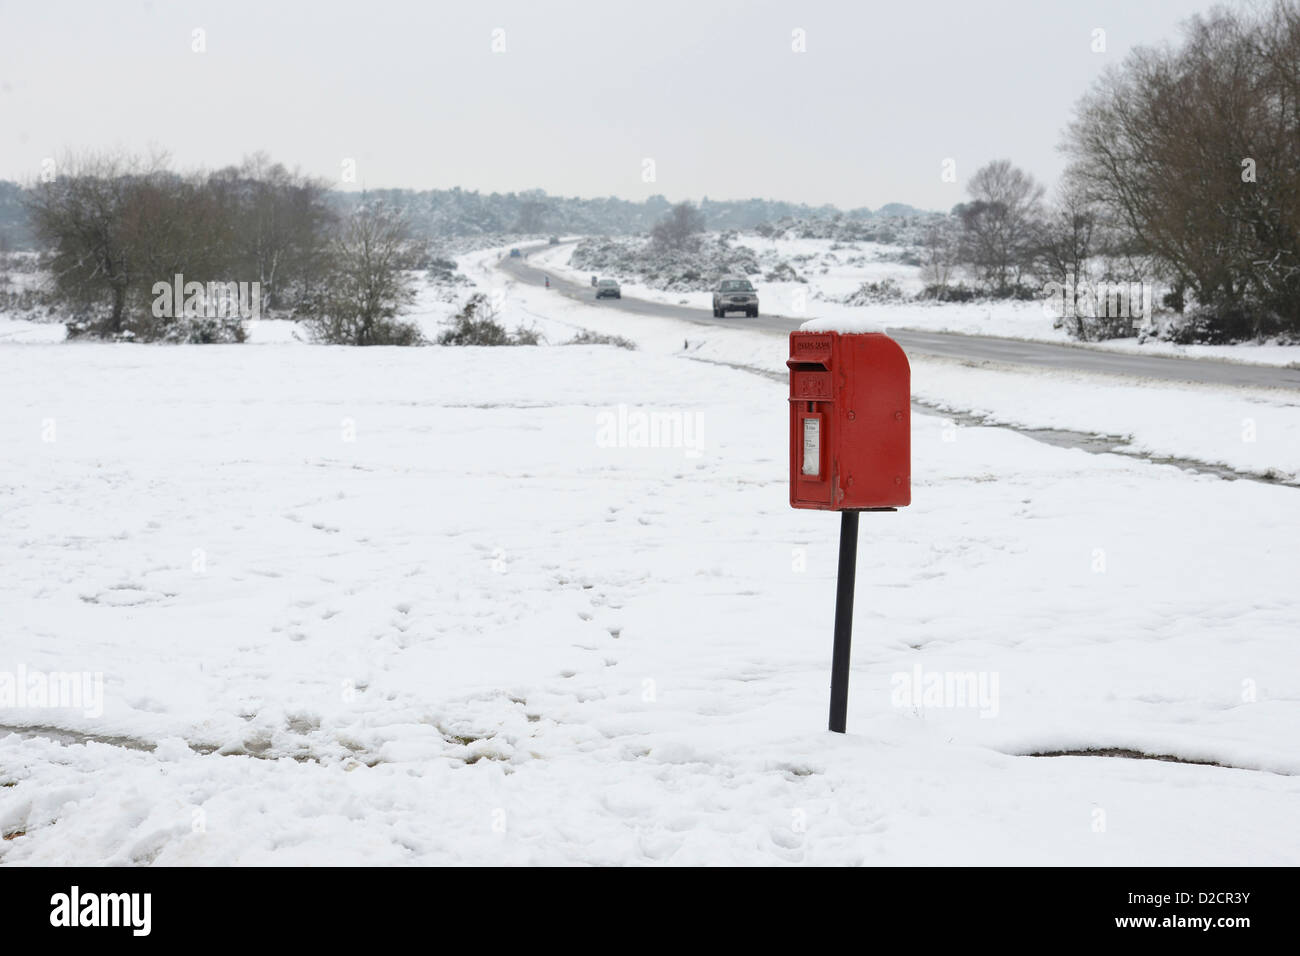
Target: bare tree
[
  {"x": 81, "y": 214},
  {"x": 283, "y": 226},
  {"x": 1195, "y": 151},
  {"x": 940, "y": 254},
  {"x": 367, "y": 289},
  {"x": 674, "y": 230},
  {"x": 115, "y": 226},
  {"x": 1068, "y": 235},
  {"x": 999, "y": 224}
]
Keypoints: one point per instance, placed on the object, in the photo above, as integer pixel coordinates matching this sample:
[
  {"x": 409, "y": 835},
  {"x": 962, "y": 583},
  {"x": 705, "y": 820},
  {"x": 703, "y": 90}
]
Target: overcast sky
[{"x": 582, "y": 95}]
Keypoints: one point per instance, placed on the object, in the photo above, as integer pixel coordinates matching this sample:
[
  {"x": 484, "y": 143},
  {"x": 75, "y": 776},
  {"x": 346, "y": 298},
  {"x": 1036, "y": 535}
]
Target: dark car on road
[
  {"x": 734, "y": 294},
  {"x": 514, "y": 253},
  {"x": 608, "y": 289}
]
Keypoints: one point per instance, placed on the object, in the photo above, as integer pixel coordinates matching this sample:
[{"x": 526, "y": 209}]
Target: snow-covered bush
[
  {"x": 783, "y": 272},
  {"x": 367, "y": 287},
  {"x": 476, "y": 324},
  {"x": 205, "y": 331},
  {"x": 29, "y": 303},
  {"x": 875, "y": 293},
  {"x": 1214, "y": 325},
  {"x": 588, "y": 337},
  {"x": 1096, "y": 328},
  {"x": 442, "y": 274},
  {"x": 902, "y": 230},
  {"x": 181, "y": 330},
  {"x": 949, "y": 293}
]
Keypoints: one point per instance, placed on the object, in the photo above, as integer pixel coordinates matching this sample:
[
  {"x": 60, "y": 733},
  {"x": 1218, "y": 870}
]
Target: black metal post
[{"x": 843, "y": 620}]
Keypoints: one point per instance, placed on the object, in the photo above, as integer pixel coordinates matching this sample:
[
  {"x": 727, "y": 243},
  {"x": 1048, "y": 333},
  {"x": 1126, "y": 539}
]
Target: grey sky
[{"x": 583, "y": 93}]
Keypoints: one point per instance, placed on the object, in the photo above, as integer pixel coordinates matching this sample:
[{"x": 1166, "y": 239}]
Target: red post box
[
  {"x": 850, "y": 451},
  {"x": 850, "y": 421}
]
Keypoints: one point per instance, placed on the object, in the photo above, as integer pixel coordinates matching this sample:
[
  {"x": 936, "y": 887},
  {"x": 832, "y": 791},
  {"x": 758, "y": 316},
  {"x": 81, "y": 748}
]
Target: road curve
[{"x": 953, "y": 345}]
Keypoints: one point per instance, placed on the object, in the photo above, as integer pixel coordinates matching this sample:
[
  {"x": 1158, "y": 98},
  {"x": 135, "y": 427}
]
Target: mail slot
[{"x": 850, "y": 421}]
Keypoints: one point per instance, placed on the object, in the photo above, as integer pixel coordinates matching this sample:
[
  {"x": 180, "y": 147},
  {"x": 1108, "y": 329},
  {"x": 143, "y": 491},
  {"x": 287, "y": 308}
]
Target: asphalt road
[{"x": 974, "y": 348}]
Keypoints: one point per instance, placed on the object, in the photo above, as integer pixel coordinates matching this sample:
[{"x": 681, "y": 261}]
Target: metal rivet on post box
[{"x": 850, "y": 451}]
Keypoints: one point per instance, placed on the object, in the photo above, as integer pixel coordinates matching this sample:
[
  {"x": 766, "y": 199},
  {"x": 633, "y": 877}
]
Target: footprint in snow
[{"x": 786, "y": 838}]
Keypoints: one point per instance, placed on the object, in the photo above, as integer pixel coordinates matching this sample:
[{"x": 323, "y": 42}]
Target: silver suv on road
[{"x": 734, "y": 294}]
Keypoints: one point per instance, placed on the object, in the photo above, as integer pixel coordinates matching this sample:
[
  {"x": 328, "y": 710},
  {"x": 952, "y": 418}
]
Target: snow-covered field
[
  {"x": 438, "y": 606},
  {"x": 834, "y": 270}
]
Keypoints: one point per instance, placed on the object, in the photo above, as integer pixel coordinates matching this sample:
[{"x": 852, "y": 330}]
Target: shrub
[
  {"x": 206, "y": 332},
  {"x": 872, "y": 293},
  {"x": 1098, "y": 328},
  {"x": 27, "y": 302},
  {"x": 783, "y": 272},
  {"x": 1218, "y": 325},
  {"x": 180, "y": 331},
  {"x": 588, "y": 337},
  {"x": 366, "y": 287},
  {"x": 333, "y": 330},
  {"x": 476, "y": 324},
  {"x": 949, "y": 293}
]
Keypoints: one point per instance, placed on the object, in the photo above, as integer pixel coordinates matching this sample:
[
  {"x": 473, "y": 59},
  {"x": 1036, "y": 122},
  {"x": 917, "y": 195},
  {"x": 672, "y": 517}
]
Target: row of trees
[
  {"x": 1193, "y": 155},
  {"x": 437, "y": 214},
  {"x": 115, "y": 227},
  {"x": 1011, "y": 241},
  {"x": 1184, "y": 170}
]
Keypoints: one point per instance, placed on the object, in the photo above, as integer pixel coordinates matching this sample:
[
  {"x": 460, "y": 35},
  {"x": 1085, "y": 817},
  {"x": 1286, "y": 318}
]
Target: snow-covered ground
[
  {"x": 439, "y": 606},
  {"x": 834, "y": 270}
]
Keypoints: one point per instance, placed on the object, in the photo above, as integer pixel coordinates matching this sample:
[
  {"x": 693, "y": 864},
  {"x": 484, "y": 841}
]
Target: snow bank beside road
[{"x": 1251, "y": 431}]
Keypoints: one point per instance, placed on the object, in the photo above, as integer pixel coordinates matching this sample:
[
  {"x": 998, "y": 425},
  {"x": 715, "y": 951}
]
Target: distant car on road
[
  {"x": 514, "y": 253},
  {"x": 608, "y": 289},
  {"x": 554, "y": 240},
  {"x": 734, "y": 294}
]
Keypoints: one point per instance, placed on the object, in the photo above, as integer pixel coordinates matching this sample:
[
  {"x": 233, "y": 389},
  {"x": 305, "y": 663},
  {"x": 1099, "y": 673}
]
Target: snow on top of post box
[{"x": 842, "y": 324}]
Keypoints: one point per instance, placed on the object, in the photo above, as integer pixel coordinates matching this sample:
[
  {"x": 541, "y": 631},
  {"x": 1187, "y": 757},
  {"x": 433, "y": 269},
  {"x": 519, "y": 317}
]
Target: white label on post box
[{"x": 812, "y": 447}]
